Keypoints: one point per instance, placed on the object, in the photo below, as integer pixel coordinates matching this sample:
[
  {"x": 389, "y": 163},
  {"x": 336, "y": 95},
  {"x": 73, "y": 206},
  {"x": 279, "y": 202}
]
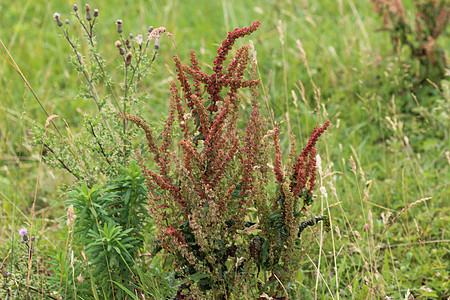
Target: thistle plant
[
  {"x": 20, "y": 268},
  {"x": 229, "y": 220},
  {"x": 105, "y": 143}
]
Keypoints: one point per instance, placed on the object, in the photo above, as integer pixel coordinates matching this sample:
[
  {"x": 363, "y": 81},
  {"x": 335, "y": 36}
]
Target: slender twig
[
  {"x": 47, "y": 294},
  {"x": 99, "y": 144},
  {"x": 61, "y": 162},
  {"x": 151, "y": 62},
  {"x": 86, "y": 75},
  {"x": 97, "y": 58}
]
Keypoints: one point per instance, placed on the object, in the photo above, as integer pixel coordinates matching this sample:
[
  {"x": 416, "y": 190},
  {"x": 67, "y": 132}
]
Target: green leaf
[{"x": 130, "y": 293}]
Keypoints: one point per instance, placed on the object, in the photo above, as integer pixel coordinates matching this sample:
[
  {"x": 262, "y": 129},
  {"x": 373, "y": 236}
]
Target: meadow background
[{"x": 397, "y": 135}]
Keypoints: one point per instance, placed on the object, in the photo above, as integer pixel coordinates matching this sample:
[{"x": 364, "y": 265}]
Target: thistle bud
[
  {"x": 157, "y": 42},
  {"x": 88, "y": 12},
  {"x": 131, "y": 36},
  {"x": 150, "y": 29},
  {"x": 128, "y": 44},
  {"x": 128, "y": 58},
  {"x": 119, "y": 26},
  {"x": 139, "y": 39},
  {"x": 67, "y": 21},
  {"x": 120, "y": 47},
  {"x": 95, "y": 13},
  {"x": 23, "y": 234},
  {"x": 75, "y": 7},
  {"x": 58, "y": 19}
]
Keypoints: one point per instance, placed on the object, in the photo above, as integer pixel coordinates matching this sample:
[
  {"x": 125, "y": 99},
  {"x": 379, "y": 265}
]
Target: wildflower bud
[
  {"x": 119, "y": 26},
  {"x": 23, "y": 234},
  {"x": 88, "y": 12},
  {"x": 75, "y": 7},
  {"x": 157, "y": 42},
  {"x": 139, "y": 39},
  {"x": 120, "y": 47},
  {"x": 150, "y": 29},
  {"x": 95, "y": 13},
  {"x": 32, "y": 238},
  {"x": 67, "y": 21},
  {"x": 58, "y": 19},
  {"x": 80, "y": 279},
  {"x": 128, "y": 58},
  {"x": 128, "y": 44},
  {"x": 131, "y": 36}
]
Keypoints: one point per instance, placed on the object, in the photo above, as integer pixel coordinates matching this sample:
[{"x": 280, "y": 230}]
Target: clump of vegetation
[
  {"x": 220, "y": 210},
  {"x": 418, "y": 34},
  {"x": 230, "y": 223},
  {"x": 380, "y": 175}
]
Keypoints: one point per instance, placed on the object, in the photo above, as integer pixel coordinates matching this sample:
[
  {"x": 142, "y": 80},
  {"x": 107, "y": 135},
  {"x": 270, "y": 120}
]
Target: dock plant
[{"x": 230, "y": 219}]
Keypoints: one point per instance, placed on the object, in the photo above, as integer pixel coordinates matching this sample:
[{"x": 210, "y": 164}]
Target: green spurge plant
[
  {"x": 109, "y": 224},
  {"x": 211, "y": 196}
]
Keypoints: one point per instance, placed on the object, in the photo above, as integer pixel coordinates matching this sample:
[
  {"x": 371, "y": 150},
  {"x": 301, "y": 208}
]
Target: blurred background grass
[{"x": 350, "y": 77}]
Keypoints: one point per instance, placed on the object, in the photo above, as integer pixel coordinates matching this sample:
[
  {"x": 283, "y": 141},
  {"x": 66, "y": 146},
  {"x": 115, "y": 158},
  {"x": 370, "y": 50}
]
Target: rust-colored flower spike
[
  {"x": 304, "y": 170},
  {"x": 119, "y": 26},
  {"x": 229, "y": 42},
  {"x": 88, "y": 12},
  {"x": 277, "y": 167}
]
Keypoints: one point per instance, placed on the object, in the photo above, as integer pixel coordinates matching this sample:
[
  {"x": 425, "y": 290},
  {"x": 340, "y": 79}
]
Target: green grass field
[{"x": 397, "y": 136}]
